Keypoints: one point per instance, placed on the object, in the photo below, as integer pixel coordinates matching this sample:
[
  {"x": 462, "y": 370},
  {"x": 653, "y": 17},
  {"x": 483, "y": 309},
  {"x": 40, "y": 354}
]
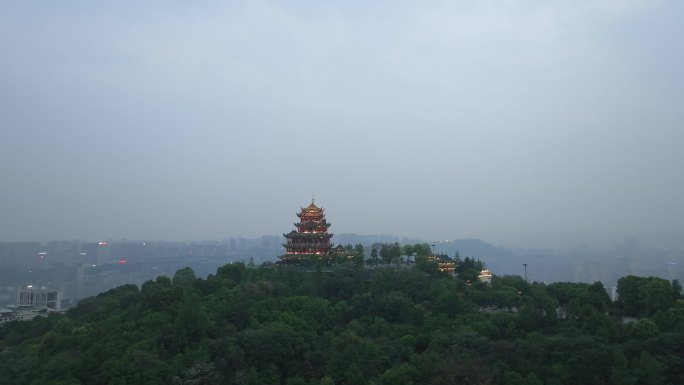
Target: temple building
[
  {"x": 310, "y": 241},
  {"x": 485, "y": 277},
  {"x": 443, "y": 263}
]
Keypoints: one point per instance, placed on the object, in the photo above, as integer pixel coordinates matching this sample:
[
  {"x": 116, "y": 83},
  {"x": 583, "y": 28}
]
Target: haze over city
[{"x": 522, "y": 123}]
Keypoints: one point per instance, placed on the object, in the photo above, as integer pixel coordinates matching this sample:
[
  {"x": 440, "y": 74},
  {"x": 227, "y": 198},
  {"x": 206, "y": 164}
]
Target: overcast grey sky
[{"x": 200, "y": 120}]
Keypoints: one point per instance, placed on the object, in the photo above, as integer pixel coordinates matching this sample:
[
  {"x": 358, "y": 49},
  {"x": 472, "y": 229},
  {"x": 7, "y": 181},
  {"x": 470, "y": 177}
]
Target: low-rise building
[
  {"x": 22, "y": 313},
  {"x": 39, "y": 297}
]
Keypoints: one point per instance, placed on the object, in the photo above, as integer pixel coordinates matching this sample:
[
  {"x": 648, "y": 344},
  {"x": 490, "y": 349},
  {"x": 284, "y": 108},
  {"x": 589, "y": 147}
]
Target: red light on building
[
  {"x": 122, "y": 261},
  {"x": 102, "y": 243}
]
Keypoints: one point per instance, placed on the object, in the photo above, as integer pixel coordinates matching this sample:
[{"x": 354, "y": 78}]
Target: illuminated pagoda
[
  {"x": 485, "y": 276},
  {"x": 311, "y": 240}
]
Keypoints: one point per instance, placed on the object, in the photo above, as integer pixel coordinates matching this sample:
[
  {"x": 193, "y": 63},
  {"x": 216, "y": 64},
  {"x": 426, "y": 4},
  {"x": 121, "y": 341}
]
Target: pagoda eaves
[{"x": 310, "y": 239}]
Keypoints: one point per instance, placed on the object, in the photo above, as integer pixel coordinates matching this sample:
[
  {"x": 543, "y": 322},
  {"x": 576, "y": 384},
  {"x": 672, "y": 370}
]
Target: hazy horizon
[
  {"x": 528, "y": 241},
  {"x": 511, "y": 122}
]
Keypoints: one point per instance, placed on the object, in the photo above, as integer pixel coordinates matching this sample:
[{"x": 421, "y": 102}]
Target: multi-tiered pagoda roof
[{"x": 310, "y": 240}]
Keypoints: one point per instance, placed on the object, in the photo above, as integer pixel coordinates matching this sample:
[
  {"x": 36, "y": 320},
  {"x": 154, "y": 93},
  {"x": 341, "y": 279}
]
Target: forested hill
[{"x": 281, "y": 326}]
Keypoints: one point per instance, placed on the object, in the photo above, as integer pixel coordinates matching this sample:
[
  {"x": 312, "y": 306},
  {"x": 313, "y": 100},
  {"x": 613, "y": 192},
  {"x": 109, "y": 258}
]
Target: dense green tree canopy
[
  {"x": 276, "y": 325},
  {"x": 644, "y": 296}
]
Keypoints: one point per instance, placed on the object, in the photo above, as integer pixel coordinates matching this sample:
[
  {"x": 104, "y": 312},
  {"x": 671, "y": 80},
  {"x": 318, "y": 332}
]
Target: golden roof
[
  {"x": 312, "y": 205},
  {"x": 312, "y": 208}
]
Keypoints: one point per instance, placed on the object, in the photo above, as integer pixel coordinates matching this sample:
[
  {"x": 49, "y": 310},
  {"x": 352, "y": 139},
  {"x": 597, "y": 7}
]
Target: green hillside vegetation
[{"x": 269, "y": 325}]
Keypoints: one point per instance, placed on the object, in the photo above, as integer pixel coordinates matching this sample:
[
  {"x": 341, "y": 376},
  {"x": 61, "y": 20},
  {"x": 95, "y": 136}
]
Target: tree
[
  {"x": 643, "y": 296},
  {"x": 597, "y": 297},
  {"x": 469, "y": 264},
  {"x": 645, "y": 328},
  {"x": 357, "y": 259},
  {"x": 358, "y": 248},
  {"x": 192, "y": 322},
  {"x": 159, "y": 295},
  {"x": 628, "y": 295},
  {"x": 385, "y": 253},
  {"x": 675, "y": 317},
  {"x": 395, "y": 253},
  {"x": 648, "y": 370},
  {"x": 199, "y": 374},
  {"x": 374, "y": 257},
  {"x": 184, "y": 278},
  {"x": 353, "y": 375},
  {"x": 233, "y": 272},
  {"x": 391, "y": 326},
  {"x": 400, "y": 375},
  {"x": 422, "y": 249},
  {"x": 620, "y": 373},
  {"x": 407, "y": 250}
]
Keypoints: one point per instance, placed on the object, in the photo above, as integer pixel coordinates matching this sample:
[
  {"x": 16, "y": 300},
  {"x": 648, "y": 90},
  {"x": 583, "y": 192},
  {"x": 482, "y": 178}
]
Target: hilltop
[{"x": 270, "y": 325}]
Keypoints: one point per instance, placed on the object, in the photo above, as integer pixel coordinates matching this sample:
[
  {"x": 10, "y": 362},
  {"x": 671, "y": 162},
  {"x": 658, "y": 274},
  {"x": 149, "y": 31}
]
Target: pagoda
[
  {"x": 485, "y": 276},
  {"x": 311, "y": 240}
]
